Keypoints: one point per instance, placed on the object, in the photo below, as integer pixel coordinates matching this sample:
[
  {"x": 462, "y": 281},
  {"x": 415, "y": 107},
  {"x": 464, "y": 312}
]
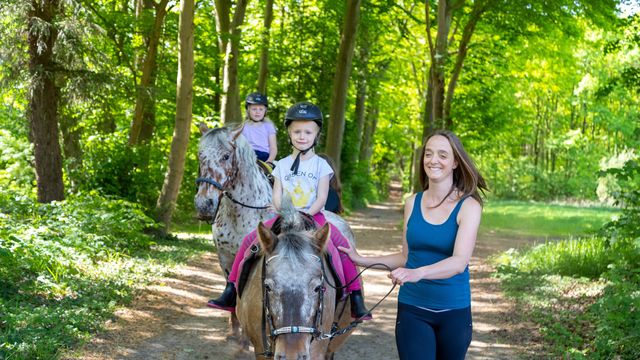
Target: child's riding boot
[
  {"x": 358, "y": 310},
  {"x": 227, "y": 300}
]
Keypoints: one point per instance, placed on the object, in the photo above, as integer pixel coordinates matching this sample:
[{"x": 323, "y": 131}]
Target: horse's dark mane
[
  {"x": 295, "y": 245},
  {"x": 295, "y": 240}
]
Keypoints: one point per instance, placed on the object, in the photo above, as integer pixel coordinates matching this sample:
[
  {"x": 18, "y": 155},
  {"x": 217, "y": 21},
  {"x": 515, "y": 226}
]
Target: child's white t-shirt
[{"x": 302, "y": 187}]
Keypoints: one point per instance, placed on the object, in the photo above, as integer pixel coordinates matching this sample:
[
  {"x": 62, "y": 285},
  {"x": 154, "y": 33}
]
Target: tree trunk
[
  {"x": 439, "y": 60},
  {"x": 361, "y": 98},
  {"x": 145, "y": 91},
  {"x": 366, "y": 148},
  {"x": 71, "y": 135},
  {"x": 264, "y": 51},
  {"x": 184, "y": 96},
  {"x": 335, "y": 131},
  {"x": 43, "y": 101},
  {"x": 438, "y": 103},
  {"x": 223, "y": 22},
  {"x": 230, "y": 107},
  {"x": 427, "y": 115},
  {"x": 479, "y": 7}
]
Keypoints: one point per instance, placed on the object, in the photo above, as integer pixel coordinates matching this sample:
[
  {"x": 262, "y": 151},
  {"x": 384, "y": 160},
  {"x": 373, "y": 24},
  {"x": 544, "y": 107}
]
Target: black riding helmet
[
  {"x": 303, "y": 111},
  {"x": 256, "y": 98}
]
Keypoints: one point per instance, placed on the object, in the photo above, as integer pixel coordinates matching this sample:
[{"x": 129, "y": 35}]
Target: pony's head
[
  {"x": 294, "y": 284},
  {"x": 221, "y": 153}
]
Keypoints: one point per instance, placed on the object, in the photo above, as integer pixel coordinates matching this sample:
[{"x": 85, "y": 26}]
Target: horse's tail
[{"x": 291, "y": 219}]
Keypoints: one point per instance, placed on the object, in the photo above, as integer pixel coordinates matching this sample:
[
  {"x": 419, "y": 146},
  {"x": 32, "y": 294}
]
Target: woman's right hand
[{"x": 351, "y": 252}]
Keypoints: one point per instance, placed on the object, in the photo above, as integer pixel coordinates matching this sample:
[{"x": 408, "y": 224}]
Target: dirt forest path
[{"x": 170, "y": 321}]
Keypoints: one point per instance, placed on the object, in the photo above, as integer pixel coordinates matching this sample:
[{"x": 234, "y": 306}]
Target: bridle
[
  {"x": 316, "y": 329},
  {"x": 267, "y": 317}
]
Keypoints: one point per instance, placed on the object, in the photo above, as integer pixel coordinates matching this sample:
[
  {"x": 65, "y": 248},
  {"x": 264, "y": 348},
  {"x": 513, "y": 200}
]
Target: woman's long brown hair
[{"x": 466, "y": 177}]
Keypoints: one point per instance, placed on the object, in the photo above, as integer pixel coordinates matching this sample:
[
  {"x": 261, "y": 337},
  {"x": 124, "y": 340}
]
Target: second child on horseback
[{"x": 258, "y": 129}]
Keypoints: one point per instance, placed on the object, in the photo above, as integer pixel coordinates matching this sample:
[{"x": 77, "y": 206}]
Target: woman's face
[
  {"x": 439, "y": 160},
  {"x": 257, "y": 112},
  {"x": 303, "y": 133}
]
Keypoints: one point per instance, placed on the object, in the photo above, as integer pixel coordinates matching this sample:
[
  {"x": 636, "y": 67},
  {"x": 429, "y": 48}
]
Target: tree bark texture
[
  {"x": 230, "y": 109},
  {"x": 145, "y": 90},
  {"x": 43, "y": 100},
  {"x": 263, "y": 71},
  {"x": 184, "y": 102},
  {"x": 335, "y": 132},
  {"x": 71, "y": 148},
  {"x": 439, "y": 60},
  {"x": 366, "y": 148},
  {"x": 361, "y": 97}
]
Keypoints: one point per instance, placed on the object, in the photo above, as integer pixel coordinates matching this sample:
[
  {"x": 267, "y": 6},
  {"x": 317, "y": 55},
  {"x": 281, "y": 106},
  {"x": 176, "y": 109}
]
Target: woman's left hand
[{"x": 403, "y": 275}]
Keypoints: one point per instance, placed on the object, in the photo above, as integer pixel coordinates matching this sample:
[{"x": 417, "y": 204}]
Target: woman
[{"x": 440, "y": 229}]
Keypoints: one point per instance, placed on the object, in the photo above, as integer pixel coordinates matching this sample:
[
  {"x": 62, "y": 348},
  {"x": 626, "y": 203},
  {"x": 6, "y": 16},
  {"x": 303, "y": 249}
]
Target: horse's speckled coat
[{"x": 227, "y": 157}]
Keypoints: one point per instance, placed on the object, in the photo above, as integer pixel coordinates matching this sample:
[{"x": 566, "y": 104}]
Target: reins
[
  {"x": 335, "y": 331},
  {"x": 219, "y": 186}
]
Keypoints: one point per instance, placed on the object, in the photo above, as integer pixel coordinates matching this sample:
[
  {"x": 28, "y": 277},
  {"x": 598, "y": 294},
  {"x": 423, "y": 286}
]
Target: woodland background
[{"x": 100, "y": 102}]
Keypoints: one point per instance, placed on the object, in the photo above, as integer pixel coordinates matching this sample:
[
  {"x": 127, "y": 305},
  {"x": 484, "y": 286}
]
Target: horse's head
[
  {"x": 294, "y": 287},
  {"x": 218, "y": 157}
]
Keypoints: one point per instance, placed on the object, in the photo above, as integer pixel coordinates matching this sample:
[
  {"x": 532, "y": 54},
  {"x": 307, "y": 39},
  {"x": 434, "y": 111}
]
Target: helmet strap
[{"x": 296, "y": 161}]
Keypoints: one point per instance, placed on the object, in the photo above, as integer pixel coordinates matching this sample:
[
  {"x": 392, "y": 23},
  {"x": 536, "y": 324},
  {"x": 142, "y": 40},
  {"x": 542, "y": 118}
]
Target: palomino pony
[
  {"x": 232, "y": 193},
  {"x": 288, "y": 307}
]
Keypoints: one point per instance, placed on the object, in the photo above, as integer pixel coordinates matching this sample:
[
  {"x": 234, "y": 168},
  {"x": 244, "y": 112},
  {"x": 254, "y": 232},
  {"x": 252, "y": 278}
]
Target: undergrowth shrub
[{"x": 64, "y": 266}]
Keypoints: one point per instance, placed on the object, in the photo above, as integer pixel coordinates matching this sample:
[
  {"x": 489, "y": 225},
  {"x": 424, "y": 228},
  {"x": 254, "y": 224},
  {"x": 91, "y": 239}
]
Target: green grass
[
  {"x": 582, "y": 289},
  {"x": 522, "y": 219}
]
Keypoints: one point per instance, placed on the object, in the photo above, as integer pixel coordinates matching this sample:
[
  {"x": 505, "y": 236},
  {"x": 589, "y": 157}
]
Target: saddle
[{"x": 267, "y": 169}]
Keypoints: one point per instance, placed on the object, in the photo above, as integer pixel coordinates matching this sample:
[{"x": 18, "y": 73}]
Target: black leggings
[
  {"x": 427, "y": 335},
  {"x": 262, "y": 155}
]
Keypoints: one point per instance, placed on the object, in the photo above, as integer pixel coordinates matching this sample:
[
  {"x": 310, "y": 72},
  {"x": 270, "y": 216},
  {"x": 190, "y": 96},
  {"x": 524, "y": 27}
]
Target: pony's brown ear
[
  {"x": 321, "y": 236},
  {"x": 203, "y": 128},
  {"x": 235, "y": 132},
  {"x": 267, "y": 238}
]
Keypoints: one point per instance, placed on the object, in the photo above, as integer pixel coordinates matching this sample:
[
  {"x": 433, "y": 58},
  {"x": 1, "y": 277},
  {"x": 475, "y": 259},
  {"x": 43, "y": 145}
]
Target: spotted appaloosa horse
[
  {"x": 228, "y": 163},
  {"x": 288, "y": 306}
]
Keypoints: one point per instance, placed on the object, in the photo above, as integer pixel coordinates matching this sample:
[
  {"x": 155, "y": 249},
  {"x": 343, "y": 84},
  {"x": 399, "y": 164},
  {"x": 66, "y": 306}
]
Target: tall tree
[
  {"x": 144, "y": 95},
  {"x": 335, "y": 131},
  {"x": 230, "y": 103},
  {"x": 264, "y": 50},
  {"x": 184, "y": 96},
  {"x": 43, "y": 101}
]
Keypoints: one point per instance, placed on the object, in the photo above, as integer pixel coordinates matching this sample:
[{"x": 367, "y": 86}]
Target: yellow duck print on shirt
[{"x": 299, "y": 197}]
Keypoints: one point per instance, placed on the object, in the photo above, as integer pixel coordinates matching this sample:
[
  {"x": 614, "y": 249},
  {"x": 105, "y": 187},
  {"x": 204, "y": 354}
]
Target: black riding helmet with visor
[
  {"x": 256, "y": 98},
  {"x": 303, "y": 111}
]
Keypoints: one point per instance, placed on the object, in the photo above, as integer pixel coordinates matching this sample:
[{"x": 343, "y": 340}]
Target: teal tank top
[{"x": 429, "y": 244}]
